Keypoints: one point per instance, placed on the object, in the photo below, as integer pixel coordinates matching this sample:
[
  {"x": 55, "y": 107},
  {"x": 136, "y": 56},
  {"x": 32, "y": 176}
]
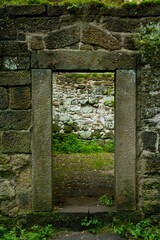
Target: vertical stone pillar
[
  {"x": 42, "y": 140},
  {"x": 125, "y": 140}
]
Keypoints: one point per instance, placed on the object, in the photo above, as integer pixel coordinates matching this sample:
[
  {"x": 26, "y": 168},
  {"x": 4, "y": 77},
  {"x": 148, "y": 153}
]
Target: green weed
[
  {"x": 70, "y": 143},
  {"x": 91, "y": 225},
  {"x": 35, "y": 233},
  {"x": 144, "y": 230},
  {"x": 105, "y": 200}
]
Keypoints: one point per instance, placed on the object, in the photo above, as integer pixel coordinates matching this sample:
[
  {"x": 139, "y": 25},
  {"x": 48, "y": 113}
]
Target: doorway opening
[{"x": 83, "y": 138}]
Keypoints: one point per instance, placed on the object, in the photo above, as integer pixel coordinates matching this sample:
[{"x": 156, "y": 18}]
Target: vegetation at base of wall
[
  {"x": 70, "y": 143},
  {"x": 35, "y": 233},
  {"x": 149, "y": 43},
  {"x": 106, "y": 201},
  {"x": 144, "y": 230}
]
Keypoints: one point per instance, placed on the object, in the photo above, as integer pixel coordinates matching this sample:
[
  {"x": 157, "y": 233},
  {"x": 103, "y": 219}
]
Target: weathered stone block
[
  {"x": 15, "y": 120},
  {"x": 149, "y": 140},
  {"x": 36, "y": 43},
  {"x": 6, "y": 190},
  {"x": 11, "y": 48},
  {"x": 23, "y": 10},
  {"x": 15, "y": 78},
  {"x": 101, "y": 38},
  {"x": 139, "y": 10},
  {"x": 63, "y": 38},
  {"x": 149, "y": 79},
  {"x": 41, "y": 140},
  {"x": 24, "y": 200},
  {"x": 16, "y": 142},
  {"x": 2, "y": 12},
  {"x": 3, "y": 98},
  {"x": 7, "y": 30},
  {"x": 83, "y": 60},
  {"x": 37, "y": 24},
  {"x": 16, "y": 63},
  {"x": 20, "y": 97},
  {"x": 5, "y": 167},
  {"x": 151, "y": 183},
  {"x": 129, "y": 41},
  {"x": 24, "y": 180},
  {"x": 56, "y": 10},
  {"x": 18, "y": 161},
  {"x": 125, "y": 135},
  {"x": 67, "y": 19},
  {"x": 153, "y": 164},
  {"x": 117, "y": 24},
  {"x": 150, "y": 100},
  {"x": 21, "y": 37}
]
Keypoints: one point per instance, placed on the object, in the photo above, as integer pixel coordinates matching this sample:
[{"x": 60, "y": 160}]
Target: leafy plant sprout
[{"x": 105, "y": 200}]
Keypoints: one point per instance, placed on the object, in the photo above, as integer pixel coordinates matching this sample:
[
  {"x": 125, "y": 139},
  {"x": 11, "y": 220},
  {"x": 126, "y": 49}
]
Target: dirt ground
[{"x": 81, "y": 179}]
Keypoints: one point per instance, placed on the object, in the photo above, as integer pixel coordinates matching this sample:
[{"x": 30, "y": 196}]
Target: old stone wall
[
  {"x": 84, "y": 104},
  {"x": 59, "y": 38}
]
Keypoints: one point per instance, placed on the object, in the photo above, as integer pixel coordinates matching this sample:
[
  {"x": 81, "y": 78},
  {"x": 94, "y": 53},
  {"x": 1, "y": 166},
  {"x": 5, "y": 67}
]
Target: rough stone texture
[
  {"x": 84, "y": 105},
  {"x": 117, "y": 24},
  {"x": 63, "y": 38},
  {"x": 26, "y": 10},
  {"x": 149, "y": 140},
  {"x": 20, "y": 97},
  {"x": 41, "y": 140},
  {"x": 15, "y": 78},
  {"x": 125, "y": 135},
  {"x": 36, "y": 43},
  {"x": 96, "y": 36},
  {"x": 16, "y": 63},
  {"x": 37, "y": 24},
  {"x": 74, "y": 60},
  {"x": 11, "y": 48},
  {"x": 15, "y": 120},
  {"x": 3, "y": 98},
  {"x": 7, "y": 30},
  {"x": 16, "y": 142},
  {"x": 6, "y": 190}
]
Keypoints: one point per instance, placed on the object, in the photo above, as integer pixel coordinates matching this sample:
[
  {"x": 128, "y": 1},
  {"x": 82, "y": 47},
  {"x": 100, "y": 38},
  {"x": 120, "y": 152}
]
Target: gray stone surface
[
  {"x": 26, "y": 10},
  {"x": 15, "y": 78},
  {"x": 6, "y": 190},
  {"x": 125, "y": 135},
  {"x": 101, "y": 38},
  {"x": 89, "y": 236},
  {"x": 16, "y": 63},
  {"x": 62, "y": 38},
  {"x": 74, "y": 60},
  {"x": 15, "y": 120},
  {"x": 20, "y": 97},
  {"x": 3, "y": 98},
  {"x": 37, "y": 24},
  {"x": 42, "y": 140},
  {"x": 149, "y": 140},
  {"x": 16, "y": 142},
  {"x": 14, "y": 49},
  {"x": 7, "y": 30}
]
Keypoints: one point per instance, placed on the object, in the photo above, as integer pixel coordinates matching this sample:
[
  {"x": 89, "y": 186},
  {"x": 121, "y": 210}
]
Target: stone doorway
[{"x": 125, "y": 138}]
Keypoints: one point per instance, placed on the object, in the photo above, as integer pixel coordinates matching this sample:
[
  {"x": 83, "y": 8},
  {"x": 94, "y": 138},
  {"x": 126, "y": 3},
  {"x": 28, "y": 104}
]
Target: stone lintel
[
  {"x": 83, "y": 60},
  {"x": 42, "y": 140}
]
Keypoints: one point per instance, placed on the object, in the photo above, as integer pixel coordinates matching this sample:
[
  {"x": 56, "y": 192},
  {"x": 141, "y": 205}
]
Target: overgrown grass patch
[
  {"x": 35, "y": 233},
  {"x": 70, "y": 143}
]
